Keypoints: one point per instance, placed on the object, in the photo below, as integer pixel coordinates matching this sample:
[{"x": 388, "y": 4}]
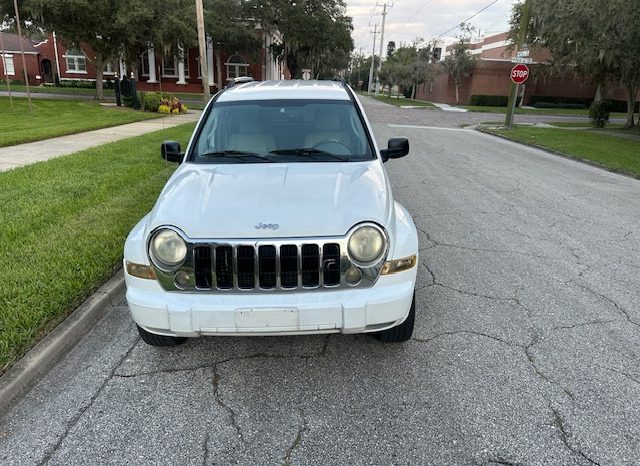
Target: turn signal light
[
  {"x": 145, "y": 272},
  {"x": 399, "y": 265}
]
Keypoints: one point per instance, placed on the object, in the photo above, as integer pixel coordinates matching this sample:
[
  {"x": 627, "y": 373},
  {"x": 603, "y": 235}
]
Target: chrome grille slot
[
  {"x": 224, "y": 267},
  {"x": 310, "y": 265},
  {"x": 267, "y": 267},
  {"x": 289, "y": 266},
  {"x": 331, "y": 264},
  {"x": 203, "y": 266},
  {"x": 246, "y": 264}
]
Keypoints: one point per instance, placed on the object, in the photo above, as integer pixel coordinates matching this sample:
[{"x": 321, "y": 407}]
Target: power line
[
  {"x": 411, "y": 17},
  {"x": 469, "y": 18}
]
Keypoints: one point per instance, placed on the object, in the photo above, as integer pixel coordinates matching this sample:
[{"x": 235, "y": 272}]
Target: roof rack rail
[{"x": 239, "y": 80}]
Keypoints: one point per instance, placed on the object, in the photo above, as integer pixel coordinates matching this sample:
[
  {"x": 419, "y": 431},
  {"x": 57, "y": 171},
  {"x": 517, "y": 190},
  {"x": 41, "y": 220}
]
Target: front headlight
[
  {"x": 167, "y": 249},
  {"x": 367, "y": 245}
]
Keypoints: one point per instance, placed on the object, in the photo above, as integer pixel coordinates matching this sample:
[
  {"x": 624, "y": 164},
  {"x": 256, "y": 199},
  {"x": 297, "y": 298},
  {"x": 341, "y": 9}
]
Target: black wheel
[
  {"x": 401, "y": 332},
  {"x": 159, "y": 340}
]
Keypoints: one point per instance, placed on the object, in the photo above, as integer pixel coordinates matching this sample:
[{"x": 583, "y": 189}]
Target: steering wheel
[{"x": 343, "y": 149}]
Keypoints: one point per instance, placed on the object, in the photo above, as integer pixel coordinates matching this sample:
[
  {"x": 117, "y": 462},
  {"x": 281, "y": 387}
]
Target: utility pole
[
  {"x": 24, "y": 62},
  {"x": 373, "y": 58},
  {"x": 384, "y": 16},
  {"x": 204, "y": 72},
  {"x": 522, "y": 36}
]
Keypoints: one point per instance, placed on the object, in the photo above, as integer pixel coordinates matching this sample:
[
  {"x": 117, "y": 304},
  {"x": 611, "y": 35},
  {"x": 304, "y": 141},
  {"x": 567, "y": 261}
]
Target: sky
[{"x": 408, "y": 19}]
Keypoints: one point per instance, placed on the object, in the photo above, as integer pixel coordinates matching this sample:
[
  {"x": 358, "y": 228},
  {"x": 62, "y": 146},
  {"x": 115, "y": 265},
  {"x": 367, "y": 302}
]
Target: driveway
[{"x": 526, "y": 349}]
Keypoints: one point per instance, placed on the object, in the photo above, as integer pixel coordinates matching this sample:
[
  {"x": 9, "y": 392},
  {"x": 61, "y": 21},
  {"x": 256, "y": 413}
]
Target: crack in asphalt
[
  {"x": 232, "y": 413},
  {"x": 560, "y": 423},
  {"x": 622, "y": 310},
  {"x": 626, "y": 375},
  {"x": 585, "y": 324},
  {"x": 297, "y": 441},
  {"x": 526, "y": 348},
  {"x": 205, "y": 448},
  {"x": 216, "y": 382},
  {"x": 74, "y": 420}
]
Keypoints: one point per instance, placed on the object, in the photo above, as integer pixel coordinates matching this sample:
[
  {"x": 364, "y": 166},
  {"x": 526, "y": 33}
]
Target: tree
[
  {"x": 391, "y": 48},
  {"x": 110, "y": 27},
  {"x": 597, "y": 39},
  {"x": 231, "y": 27},
  {"x": 459, "y": 64},
  {"x": 316, "y": 34}
]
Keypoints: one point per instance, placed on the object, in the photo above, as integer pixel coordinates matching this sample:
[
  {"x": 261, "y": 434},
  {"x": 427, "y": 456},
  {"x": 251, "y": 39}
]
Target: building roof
[
  {"x": 12, "y": 43},
  {"x": 287, "y": 89}
]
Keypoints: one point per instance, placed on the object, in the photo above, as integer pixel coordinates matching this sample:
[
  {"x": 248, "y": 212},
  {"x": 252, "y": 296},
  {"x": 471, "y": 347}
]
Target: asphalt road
[{"x": 526, "y": 351}]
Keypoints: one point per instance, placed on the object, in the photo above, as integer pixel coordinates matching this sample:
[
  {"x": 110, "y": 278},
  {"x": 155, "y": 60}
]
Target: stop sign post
[{"x": 519, "y": 73}]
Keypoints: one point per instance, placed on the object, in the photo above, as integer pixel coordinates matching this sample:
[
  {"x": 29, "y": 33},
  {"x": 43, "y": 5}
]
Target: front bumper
[{"x": 384, "y": 305}]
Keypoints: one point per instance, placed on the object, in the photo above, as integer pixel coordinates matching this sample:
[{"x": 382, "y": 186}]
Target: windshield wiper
[
  {"x": 239, "y": 154},
  {"x": 309, "y": 152}
]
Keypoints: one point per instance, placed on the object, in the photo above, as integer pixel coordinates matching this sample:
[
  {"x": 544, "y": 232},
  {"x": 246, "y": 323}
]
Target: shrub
[
  {"x": 150, "y": 101},
  {"x": 545, "y": 105},
  {"x": 489, "y": 100},
  {"x": 560, "y": 101},
  {"x": 599, "y": 113},
  {"x": 162, "y": 108}
]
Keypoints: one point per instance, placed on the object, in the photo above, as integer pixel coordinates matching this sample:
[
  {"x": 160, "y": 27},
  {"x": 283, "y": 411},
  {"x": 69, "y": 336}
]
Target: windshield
[{"x": 282, "y": 131}]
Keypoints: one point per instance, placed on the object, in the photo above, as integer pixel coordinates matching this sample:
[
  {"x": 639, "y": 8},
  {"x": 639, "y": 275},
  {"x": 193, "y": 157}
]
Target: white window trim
[
  {"x": 75, "y": 71},
  {"x": 144, "y": 58},
  {"x": 175, "y": 67},
  {"x": 4, "y": 65}
]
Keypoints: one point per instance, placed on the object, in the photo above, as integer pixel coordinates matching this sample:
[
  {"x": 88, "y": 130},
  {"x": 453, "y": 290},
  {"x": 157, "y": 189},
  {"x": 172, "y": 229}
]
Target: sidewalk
[{"x": 25, "y": 154}]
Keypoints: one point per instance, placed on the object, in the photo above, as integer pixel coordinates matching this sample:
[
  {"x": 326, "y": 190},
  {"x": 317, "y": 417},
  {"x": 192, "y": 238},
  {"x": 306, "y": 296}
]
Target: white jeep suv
[{"x": 279, "y": 221}]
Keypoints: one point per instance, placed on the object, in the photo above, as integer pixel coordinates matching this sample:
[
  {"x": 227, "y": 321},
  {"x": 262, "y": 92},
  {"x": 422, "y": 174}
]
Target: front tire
[
  {"x": 159, "y": 340},
  {"x": 400, "y": 333}
]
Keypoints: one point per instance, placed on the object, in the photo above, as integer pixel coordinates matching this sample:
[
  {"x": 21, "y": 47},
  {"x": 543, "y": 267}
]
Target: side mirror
[
  {"x": 170, "y": 151},
  {"x": 396, "y": 148}
]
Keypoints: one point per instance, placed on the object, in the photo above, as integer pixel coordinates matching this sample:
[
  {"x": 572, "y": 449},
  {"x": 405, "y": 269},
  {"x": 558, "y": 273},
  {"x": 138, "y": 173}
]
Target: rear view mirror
[
  {"x": 170, "y": 151},
  {"x": 396, "y": 148}
]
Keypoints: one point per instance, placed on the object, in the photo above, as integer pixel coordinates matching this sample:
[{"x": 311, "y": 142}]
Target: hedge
[{"x": 489, "y": 100}]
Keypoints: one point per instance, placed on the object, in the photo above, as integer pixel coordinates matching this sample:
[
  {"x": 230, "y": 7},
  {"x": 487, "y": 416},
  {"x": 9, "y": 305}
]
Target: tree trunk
[
  {"x": 457, "y": 93},
  {"x": 631, "y": 89},
  {"x": 216, "y": 53},
  {"x": 598, "y": 96},
  {"x": 99, "y": 64},
  {"x": 413, "y": 92}
]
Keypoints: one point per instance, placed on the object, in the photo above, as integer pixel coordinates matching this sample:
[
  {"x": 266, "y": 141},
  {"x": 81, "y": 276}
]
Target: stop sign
[{"x": 519, "y": 73}]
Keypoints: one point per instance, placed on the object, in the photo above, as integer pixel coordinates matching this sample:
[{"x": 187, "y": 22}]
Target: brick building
[
  {"x": 176, "y": 71},
  {"x": 491, "y": 77}
]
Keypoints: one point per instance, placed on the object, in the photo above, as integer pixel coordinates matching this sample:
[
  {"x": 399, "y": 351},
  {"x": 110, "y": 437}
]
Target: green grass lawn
[
  {"x": 617, "y": 154},
  {"x": 64, "y": 223},
  {"x": 51, "y": 118},
  {"x": 538, "y": 111},
  {"x": 56, "y": 90},
  {"x": 84, "y": 91},
  {"x": 398, "y": 102}
]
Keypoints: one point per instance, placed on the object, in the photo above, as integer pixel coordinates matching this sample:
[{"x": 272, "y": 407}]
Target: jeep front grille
[{"x": 266, "y": 267}]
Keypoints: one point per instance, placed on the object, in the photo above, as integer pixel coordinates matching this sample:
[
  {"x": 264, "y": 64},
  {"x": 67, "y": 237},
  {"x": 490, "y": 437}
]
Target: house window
[
  {"x": 76, "y": 61},
  {"x": 108, "y": 68},
  {"x": 144, "y": 63},
  {"x": 7, "y": 65},
  {"x": 236, "y": 67},
  {"x": 170, "y": 65}
]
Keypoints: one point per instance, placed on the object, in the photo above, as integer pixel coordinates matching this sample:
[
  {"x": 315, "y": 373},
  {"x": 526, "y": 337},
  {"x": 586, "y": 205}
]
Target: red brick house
[
  {"x": 11, "y": 59},
  {"x": 491, "y": 77},
  {"x": 177, "y": 71}
]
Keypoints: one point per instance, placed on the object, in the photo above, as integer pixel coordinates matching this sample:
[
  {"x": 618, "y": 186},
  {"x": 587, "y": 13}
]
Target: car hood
[{"x": 265, "y": 200}]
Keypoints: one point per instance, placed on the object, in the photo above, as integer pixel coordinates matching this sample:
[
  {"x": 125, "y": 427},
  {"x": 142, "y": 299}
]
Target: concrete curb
[{"x": 28, "y": 371}]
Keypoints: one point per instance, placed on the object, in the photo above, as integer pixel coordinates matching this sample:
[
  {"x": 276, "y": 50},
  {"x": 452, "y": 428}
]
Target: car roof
[{"x": 285, "y": 89}]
